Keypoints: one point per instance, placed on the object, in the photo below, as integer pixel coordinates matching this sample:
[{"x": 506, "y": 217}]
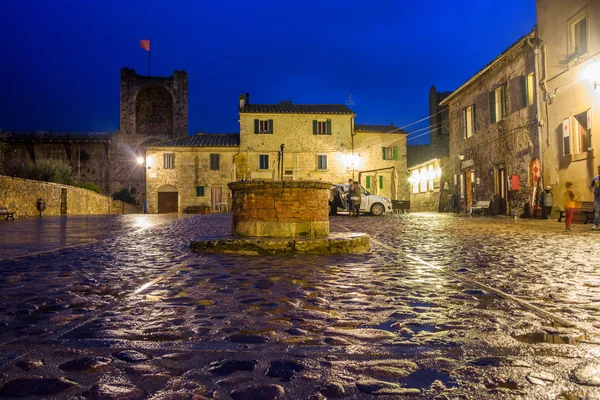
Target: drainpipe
[{"x": 536, "y": 75}]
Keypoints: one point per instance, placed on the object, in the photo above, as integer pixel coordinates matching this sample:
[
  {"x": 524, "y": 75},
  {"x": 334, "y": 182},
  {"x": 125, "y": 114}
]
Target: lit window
[
  {"x": 322, "y": 127},
  {"x": 169, "y": 160},
  {"x": 469, "y": 121},
  {"x": 389, "y": 153},
  {"x": 214, "y": 162},
  {"x": 498, "y": 109},
  {"x": 263, "y": 161},
  {"x": 263, "y": 126},
  {"x": 566, "y": 128},
  {"x": 582, "y": 132},
  {"x": 430, "y": 176},
  {"x": 321, "y": 162}
]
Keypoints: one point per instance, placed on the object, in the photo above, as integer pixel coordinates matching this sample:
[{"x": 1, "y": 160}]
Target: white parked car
[{"x": 369, "y": 203}]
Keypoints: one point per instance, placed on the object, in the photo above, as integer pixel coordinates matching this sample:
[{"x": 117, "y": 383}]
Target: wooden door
[
  {"x": 501, "y": 191},
  {"x": 468, "y": 189},
  {"x": 167, "y": 202}
]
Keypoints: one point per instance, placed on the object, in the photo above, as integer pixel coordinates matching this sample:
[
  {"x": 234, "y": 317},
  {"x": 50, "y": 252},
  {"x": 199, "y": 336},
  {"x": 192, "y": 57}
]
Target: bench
[
  {"x": 586, "y": 210},
  {"x": 400, "y": 206},
  {"x": 194, "y": 209},
  {"x": 481, "y": 207},
  {"x": 9, "y": 214}
]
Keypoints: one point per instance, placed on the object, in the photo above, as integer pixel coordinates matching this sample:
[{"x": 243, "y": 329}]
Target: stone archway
[
  {"x": 168, "y": 199},
  {"x": 154, "y": 112}
]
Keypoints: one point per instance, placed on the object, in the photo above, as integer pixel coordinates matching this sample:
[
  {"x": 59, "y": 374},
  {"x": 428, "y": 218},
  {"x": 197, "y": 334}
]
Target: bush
[
  {"x": 124, "y": 195},
  {"x": 2, "y": 149},
  {"x": 46, "y": 170},
  {"x": 90, "y": 186}
]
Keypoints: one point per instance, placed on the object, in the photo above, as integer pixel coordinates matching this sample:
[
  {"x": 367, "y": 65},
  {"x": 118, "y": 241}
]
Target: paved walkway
[{"x": 442, "y": 308}]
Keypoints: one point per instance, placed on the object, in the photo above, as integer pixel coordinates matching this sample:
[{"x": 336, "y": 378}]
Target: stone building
[
  {"x": 152, "y": 109},
  {"x": 493, "y": 132},
  {"x": 569, "y": 99},
  {"x": 428, "y": 165},
  {"x": 282, "y": 141}
]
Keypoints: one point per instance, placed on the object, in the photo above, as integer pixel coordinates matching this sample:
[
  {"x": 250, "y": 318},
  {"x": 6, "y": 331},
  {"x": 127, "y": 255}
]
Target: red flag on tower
[{"x": 145, "y": 44}]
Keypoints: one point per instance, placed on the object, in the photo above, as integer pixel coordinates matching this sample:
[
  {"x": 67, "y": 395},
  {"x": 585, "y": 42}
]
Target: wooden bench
[
  {"x": 9, "y": 214},
  {"x": 481, "y": 207},
  {"x": 586, "y": 210},
  {"x": 194, "y": 209},
  {"x": 400, "y": 206}
]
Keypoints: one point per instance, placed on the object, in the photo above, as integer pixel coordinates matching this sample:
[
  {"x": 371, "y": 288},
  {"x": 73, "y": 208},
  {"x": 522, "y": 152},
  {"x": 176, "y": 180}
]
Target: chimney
[
  {"x": 247, "y": 100},
  {"x": 242, "y": 101},
  {"x": 392, "y": 125}
]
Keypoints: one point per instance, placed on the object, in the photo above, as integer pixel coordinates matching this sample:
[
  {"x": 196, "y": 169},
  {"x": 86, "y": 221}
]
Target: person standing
[
  {"x": 348, "y": 194},
  {"x": 355, "y": 196},
  {"x": 569, "y": 204},
  {"x": 595, "y": 188}
]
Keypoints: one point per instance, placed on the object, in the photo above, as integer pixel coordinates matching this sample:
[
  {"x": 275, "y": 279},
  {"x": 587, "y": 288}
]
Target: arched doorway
[{"x": 168, "y": 199}]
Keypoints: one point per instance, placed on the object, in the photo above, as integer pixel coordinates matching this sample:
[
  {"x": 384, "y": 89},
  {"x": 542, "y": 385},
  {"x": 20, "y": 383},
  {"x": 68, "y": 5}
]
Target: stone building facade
[
  {"x": 493, "y": 132},
  {"x": 570, "y": 99},
  {"x": 319, "y": 143},
  {"x": 428, "y": 165}
]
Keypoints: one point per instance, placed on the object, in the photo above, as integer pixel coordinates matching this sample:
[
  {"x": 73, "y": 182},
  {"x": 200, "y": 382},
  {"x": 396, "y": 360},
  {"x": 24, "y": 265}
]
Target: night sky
[{"x": 61, "y": 59}]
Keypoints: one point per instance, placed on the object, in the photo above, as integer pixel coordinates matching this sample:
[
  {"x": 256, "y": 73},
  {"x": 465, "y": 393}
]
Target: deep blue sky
[{"x": 61, "y": 59}]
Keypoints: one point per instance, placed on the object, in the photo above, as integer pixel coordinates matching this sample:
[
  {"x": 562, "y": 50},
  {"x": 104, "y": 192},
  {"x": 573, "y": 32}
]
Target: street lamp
[
  {"x": 461, "y": 157},
  {"x": 140, "y": 160}
]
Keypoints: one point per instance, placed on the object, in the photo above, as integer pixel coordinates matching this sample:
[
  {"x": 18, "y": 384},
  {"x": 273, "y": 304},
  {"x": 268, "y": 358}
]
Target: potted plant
[{"x": 205, "y": 209}]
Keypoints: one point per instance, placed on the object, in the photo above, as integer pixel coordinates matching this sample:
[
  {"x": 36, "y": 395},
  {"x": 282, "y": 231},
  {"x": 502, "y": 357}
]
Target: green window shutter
[
  {"x": 368, "y": 182},
  {"x": 474, "y": 116},
  {"x": 199, "y": 191},
  {"x": 492, "y": 107},
  {"x": 383, "y": 153},
  {"x": 255, "y": 126},
  {"x": 314, "y": 127},
  {"x": 504, "y": 102},
  {"x": 270, "y": 126},
  {"x": 464, "y": 119},
  {"x": 524, "y": 91},
  {"x": 381, "y": 182},
  {"x": 395, "y": 152},
  {"x": 329, "y": 127}
]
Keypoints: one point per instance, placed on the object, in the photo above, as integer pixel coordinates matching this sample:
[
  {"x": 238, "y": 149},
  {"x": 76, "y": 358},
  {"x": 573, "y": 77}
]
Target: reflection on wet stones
[
  {"x": 85, "y": 364},
  {"x": 115, "y": 391},
  {"x": 368, "y": 335},
  {"x": 371, "y": 386},
  {"x": 131, "y": 356},
  {"x": 383, "y": 368},
  {"x": 226, "y": 367},
  {"x": 259, "y": 392},
  {"x": 23, "y": 387},
  {"x": 587, "y": 373},
  {"x": 285, "y": 370},
  {"x": 541, "y": 378}
]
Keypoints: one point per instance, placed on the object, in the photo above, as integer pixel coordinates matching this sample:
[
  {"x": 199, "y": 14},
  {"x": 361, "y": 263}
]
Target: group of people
[
  {"x": 353, "y": 198},
  {"x": 569, "y": 202}
]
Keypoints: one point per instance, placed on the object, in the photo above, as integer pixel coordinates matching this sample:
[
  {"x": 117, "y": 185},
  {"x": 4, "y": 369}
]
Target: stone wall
[
  {"x": 280, "y": 208},
  {"x": 21, "y": 197}
]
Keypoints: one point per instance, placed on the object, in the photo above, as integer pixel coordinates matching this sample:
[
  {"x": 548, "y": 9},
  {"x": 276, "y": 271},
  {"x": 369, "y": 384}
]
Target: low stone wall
[
  {"x": 120, "y": 207},
  {"x": 21, "y": 196},
  {"x": 280, "y": 208}
]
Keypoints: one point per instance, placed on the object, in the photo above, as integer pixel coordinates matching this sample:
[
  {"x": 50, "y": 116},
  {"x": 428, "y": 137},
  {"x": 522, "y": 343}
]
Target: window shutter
[
  {"x": 255, "y": 126},
  {"x": 474, "y": 116},
  {"x": 524, "y": 90},
  {"x": 380, "y": 182},
  {"x": 368, "y": 182},
  {"x": 395, "y": 152},
  {"x": 492, "y": 107},
  {"x": 329, "y": 127},
  {"x": 199, "y": 191},
  {"x": 314, "y": 127},
  {"x": 383, "y": 153},
  {"x": 464, "y": 119},
  {"x": 504, "y": 102},
  {"x": 270, "y": 126}
]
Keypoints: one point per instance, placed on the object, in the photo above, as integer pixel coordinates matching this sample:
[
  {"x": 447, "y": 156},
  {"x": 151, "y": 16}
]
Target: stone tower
[{"x": 153, "y": 109}]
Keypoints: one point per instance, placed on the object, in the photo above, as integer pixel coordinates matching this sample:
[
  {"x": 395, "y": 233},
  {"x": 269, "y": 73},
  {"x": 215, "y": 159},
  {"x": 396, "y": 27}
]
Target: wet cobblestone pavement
[{"x": 442, "y": 308}]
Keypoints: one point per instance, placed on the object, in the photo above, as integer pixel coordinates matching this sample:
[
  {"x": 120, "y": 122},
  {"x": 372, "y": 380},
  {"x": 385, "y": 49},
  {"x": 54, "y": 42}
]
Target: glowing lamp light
[
  {"x": 438, "y": 172},
  {"x": 140, "y": 160},
  {"x": 591, "y": 73}
]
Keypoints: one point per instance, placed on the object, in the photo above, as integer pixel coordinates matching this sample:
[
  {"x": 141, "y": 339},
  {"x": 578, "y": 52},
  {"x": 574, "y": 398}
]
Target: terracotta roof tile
[
  {"x": 378, "y": 128},
  {"x": 204, "y": 140},
  {"x": 288, "y": 108}
]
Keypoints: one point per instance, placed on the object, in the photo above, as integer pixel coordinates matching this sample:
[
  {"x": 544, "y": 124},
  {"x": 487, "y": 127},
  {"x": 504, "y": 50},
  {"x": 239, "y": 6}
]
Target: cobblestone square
[{"x": 443, "y": 307}]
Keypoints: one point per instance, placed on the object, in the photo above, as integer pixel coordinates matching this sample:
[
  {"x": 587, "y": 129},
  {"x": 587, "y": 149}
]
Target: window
[
  {"x": 169, "y": 160},
  {"x": 389, "y": 153},
  {"x": 566, "y": 137},
  {"x": 321, "y": 162},
  {"x": 199, "y": 191},
  {"x": 214, "y": 162},
  {"x": 582, "y": 132},
  {"x": 578, "y": 35},
  {"x": 469, "y": 121},
  {"x": 322, "y": 127},
  {"x": 369, "y": 182},
  {"x": 430, "y": 176},
  {"x": 498, "y": 108},
  {"x": 263, "y": 126},
  {"x": 380, "y": 182},
  {"x": 263, "y": 161},
  {"x": 527, "y": 90}
]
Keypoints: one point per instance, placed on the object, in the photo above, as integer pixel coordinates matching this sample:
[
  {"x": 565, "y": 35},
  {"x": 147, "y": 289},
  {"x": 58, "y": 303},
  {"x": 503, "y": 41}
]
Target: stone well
[{"x": 280, "y": 208}]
